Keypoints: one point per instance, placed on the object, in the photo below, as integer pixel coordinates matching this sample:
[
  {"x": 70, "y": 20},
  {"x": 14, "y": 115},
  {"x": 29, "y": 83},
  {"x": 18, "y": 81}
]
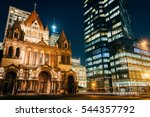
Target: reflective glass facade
[{"x": 104, "y": 22}]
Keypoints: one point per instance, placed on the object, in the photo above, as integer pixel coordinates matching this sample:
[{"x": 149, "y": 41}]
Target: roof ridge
[{"x": 32, "y": 18}]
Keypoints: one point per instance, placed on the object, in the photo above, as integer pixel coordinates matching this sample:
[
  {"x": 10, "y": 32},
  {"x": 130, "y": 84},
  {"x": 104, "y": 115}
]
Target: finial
[{"x": 35, "y": 5}]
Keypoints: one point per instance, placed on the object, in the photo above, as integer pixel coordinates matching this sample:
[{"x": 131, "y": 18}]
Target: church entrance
[
  {"x": 9, "y": 83},
  {"x": 44, "y": 82},
  {"x": 71, "y": 85}
]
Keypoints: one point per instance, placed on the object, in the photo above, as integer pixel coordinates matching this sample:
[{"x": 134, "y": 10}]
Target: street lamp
[
  {"x": 93, "y": 85},
  {"x": 144, "y": 44}
]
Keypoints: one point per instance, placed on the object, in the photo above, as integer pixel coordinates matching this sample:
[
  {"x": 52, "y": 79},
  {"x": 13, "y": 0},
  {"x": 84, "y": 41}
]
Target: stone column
[
  {"x": 48, "y": 87},
  {"x": 38, "y": 87},
  {"x": 25, "y": 57},
  {"x": 35, "y": 87},
  {"x": 23, "y": 85},
  {"x": 43, "y": 61},
  {"x": 51, "y": 87},
  {"x": 14, "y": 51},
  {"x": 26, "y": 86},
  {"x": 31, "y": 85},
  {"x": 30, "y": 58},
  {"x": 14, "y": 86},
  {"x": 5, "y": 51},
  {"x": 52, "y": 60},
  {"x": 54, "y": 87},
  {"x": 37, "y": 58},
  {"x": 55, "y": 60},
  {"x": 58, "y": 86}
]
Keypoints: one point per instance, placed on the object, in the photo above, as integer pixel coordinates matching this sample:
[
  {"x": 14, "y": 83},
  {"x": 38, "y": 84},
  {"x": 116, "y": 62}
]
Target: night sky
[{"x": 68, "y": 14}]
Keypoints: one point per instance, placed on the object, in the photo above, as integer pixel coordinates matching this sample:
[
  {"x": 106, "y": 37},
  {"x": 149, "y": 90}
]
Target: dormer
[{"x": 15, "y": 32}]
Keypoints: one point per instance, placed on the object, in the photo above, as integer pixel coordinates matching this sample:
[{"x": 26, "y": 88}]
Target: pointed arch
[
  {"x": 28, "y": 56},
  {"x": 66, "y": 45},
  {"x": 18, "y": 52},
  {"x": 71, "y": 82},
  {"x": 10, "y": 51},
  {"x": 16, "y": 34}
]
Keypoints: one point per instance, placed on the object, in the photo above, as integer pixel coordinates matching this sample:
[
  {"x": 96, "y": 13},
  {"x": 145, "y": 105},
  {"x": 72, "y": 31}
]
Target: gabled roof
[
  {"x": 62, "y": 37},
  {"x": 16, "y": 25},
  {"x": 33, "y": 16},
  {"x": 42, "y": 42}
]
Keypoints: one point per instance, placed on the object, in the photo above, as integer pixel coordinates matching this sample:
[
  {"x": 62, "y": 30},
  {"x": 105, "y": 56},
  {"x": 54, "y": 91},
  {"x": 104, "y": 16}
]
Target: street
[{"x": 76, "y": 97}]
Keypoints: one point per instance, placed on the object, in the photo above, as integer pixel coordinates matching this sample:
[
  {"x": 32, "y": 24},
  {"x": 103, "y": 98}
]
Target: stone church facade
[{"x": 31, "y": 66}]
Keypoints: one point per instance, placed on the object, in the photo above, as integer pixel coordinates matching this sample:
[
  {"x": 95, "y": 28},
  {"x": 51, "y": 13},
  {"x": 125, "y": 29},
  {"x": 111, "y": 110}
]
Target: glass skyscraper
[{"x": 105, "y": 21}]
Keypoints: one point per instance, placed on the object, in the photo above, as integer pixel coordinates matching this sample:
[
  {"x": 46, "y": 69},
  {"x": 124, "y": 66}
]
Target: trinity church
[{"x": 31, "y": 66}]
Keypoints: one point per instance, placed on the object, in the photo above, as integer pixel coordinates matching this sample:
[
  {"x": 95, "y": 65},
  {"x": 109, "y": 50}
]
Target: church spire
[
  {"x": 62, "y": 36},
  {"x": 35, "y": 5}
]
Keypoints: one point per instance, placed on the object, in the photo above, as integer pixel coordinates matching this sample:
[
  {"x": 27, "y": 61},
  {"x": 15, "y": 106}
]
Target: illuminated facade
[
  {"x": 30, "y": 65},
  {"x": 104, "y": 22},
  {"x": 130, "y": 66},
  {"x": 113, "y": 59},
  {"x": 13, "y": 14},
  {"x": 1, "y": 46},
  {"x": 81, "y": 74},
  {"x": 53, "y": 38}
]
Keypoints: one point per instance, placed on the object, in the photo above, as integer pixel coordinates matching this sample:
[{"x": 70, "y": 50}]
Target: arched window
[
  {"x": 34, "y": 58},
  {"x": 68, "y": 59},
  {"x": 41, "y": 58},
  {"x": 18, "y": 52},
  {"x": 16, "y": 35},
  {"x": 46, "y": 58},
  {"x": 66, "y": 46},
  {"x": 10, "y": 51},
  {"x": 63, "y": 59},
  {"x": 28, "y": 54}
]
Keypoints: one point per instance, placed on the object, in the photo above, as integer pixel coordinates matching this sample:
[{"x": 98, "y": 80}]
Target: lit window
[
  {"x": 97, "y": 56},
  {"x": 105, "y": 54}
]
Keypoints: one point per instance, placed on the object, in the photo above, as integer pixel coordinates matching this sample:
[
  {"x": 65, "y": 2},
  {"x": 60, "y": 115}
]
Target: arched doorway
[
  {"x": 9, "y": 82},
  {"x": 44, "y": 82},
  {"x": 71, "y": 85}
]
